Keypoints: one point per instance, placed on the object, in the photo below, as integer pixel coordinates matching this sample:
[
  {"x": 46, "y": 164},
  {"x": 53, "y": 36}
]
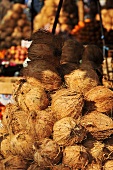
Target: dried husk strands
[
  {"x": 67, "y": 103},
  {"x": 76, "y": 157},
  {"x": 94, "y": 166},
  {"x": 101, "y": 99},
  {"x": 71, "y": 51},
  {"x": 44, "y": 72},
  {"x": 67, "y": 131},
  {"x": 14, "y": 162},
  {"x": 60, "y": 167},
  {"x": 108, "y": 165},
  {"x": 21, "y": 144},
  {"x": 47, "y": 152},
  {"x": 98, "y": 124},
  {"x": 82, "y": 80},
  {"x": 95, "y": 148},
  {"x": 5, "y": 147},
  {"x": 30, "y": 97},
  {"x": 34, "y": 166}
]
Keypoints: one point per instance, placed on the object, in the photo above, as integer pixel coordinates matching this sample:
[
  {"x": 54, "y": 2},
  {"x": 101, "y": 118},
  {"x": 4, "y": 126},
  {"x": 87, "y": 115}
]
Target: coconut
[
  {"x": 108, "y": 150},
  {"x": 34, "y": 166},
  {"x": 13, "y": 118},
  {"x": 98, "y": 124},
  {"x": 71, "y": 51},
  {"x": 60, "y": 167},
  {"x": 17, "y": 8},
  {"x": 108, "y": 165},
  {"x": 67, "y": 131},
  {"x": 30, "y": 97},
  {"x": 95, "y": 148},
  {"x": 44, "y": 72},
  {"x": 47, "y": 152},
  {"x": 14, "y": 162},
  {"x": 82, "y": 80},
  {"x": 21, "y": 144},
  {"x": 76, "y": 157},
  {"x": 101, "y": 99},
  {"x": 43, "y": 125},
  {"x": 67, "y": 103},
  {"x": 5, "y": 147},
  {"x": 94, "y": 166}
]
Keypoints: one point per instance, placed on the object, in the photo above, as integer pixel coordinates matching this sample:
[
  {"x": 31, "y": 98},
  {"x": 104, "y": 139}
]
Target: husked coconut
[
  {"x": 108, "y": 165},
  {"x": 21, "y": 144},
  {"x": 82, "y": 80},
  {"x": 30, "y": 97},
  {"x": 67, "y": 131},
  {"x": 60, "y": 167},
  {"x": 76, "y": 157},
  {"x": 44, "y": 72},
  {"x": 15, "y": 162},
  {"x": 67, "y": 103},
  {"x": 34, "y": 166},
  {"x": 94, "y": 166},
  {"x": 47, "y": 152},
  {"x": 98, "y": 124},
  {"x": 100, "y": 98},
  {"x": 5, "y": 147}
]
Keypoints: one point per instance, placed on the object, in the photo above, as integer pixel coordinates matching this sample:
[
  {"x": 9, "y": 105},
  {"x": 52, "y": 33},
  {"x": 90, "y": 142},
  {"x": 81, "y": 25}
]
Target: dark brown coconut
[
  {"x": 67, "y": 131},
  {"x": 67, "y": 103},
  {"x": 44, "y": 72}
]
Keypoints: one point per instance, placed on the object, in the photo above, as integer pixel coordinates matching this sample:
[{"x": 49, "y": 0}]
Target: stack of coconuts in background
[{"x": 61, "y": 117}]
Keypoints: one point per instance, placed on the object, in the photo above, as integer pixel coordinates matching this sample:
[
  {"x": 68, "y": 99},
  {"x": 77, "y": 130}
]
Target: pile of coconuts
[{"x": 61, "y": 117}]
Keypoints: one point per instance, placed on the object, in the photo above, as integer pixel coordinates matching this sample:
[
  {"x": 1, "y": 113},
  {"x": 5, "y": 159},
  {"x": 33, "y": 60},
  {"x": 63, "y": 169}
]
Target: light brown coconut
[
  {"x": 94, "y": 166},
  {"x": 13, "y": 118},
  {"x": 14, "y": 162},
  {"x": 5, "y": 147},
  {"x": 60, "y": 167},
  {"x": 17, "y": 7},
  {"x": 108, "y": 165},
  {"x": 34, "y": 166},
  {"x": 95, "y": 148},
  {"x": 42, "y": 124},
  {"x": 71, "y": 51},
  {"x": 67, "y": 131},
  {"x": 67, "y": 103},
  {"x": 82, "y": 80},
  {"x": 44, "y": 72},
  {"x": 76, "y": 157},
  {"x": 100, "y": 98},
  {"x": 47, "y": 152},
  {"x": 108, "y": 150},
  {"x": 21, "y": 144},
  {"x": 30, "y": 97},
  {"x": 98, "y": 124}
]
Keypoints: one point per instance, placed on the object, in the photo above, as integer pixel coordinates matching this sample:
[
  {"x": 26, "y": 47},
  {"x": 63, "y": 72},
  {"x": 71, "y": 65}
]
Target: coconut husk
[
  {"x": 94, "y": 54},
  {"x": 94, "y": 166},
  {"x": 42, "y": 123},
  {"x": 108, "y": 165},
  {"x": 108, "y": 150},
  {"x": 34, "y": 166},
  {"x": 100, "y": 98},
  {"x": 98, "y": 124},
  {"x": 67, "y": 103},
  {"x": 82, "y": 80},
  {"x": 95, "y": 148},
  {"x": 67, "y": 68},
  {"x": 30, "y": 97},
  {"x": 67, "y": 131},
  {"x": 76, "y": 157},
  {"x": 71, "y": 51},
  {"x": 47, "y": 152},
  {"x": 14, "y": 162},
  {"x": 60, "y": 167},
  {"x": 21, "y": 144},
  {"x": 44, "y": 72},
  {"x": 5, "y": 147},
  {"x": 43, "y": 51}
]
